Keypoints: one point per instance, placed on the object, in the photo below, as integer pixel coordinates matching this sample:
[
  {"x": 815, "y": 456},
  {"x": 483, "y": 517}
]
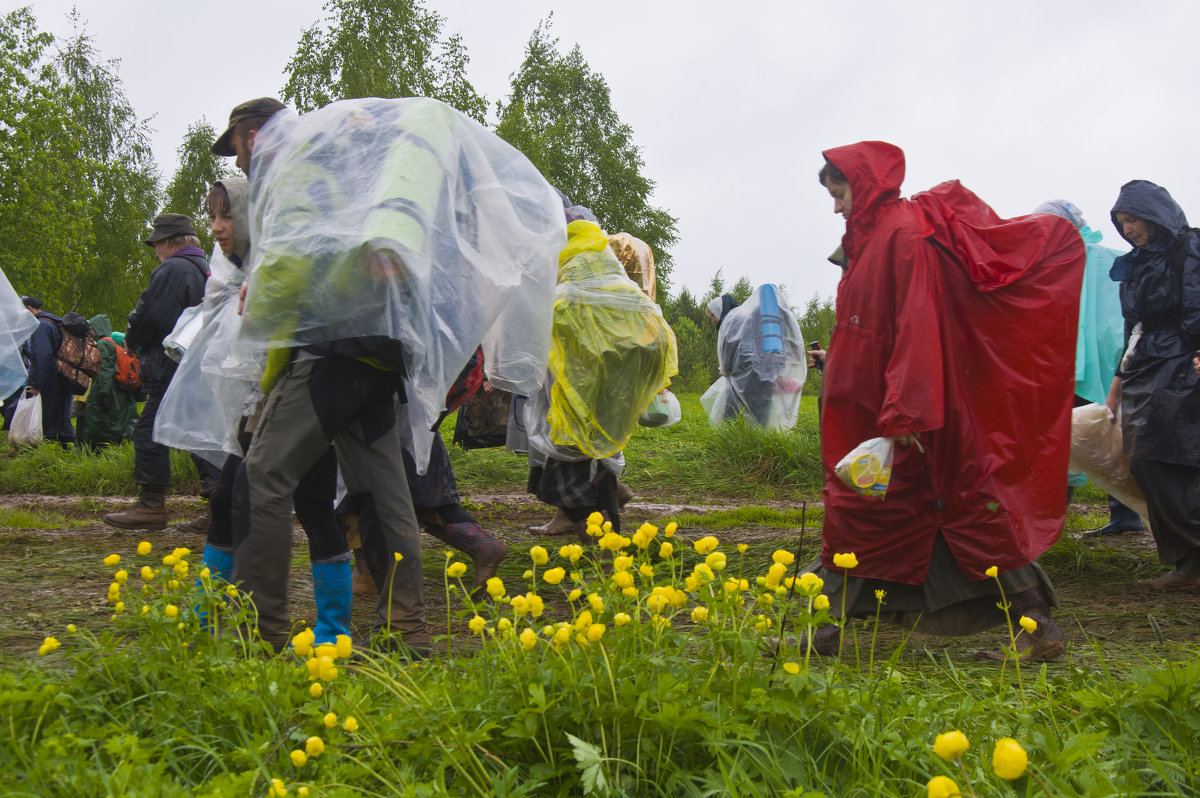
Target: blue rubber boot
[
  {"x": 220, "y": 567},
  {"x": 333, "y": 591}
]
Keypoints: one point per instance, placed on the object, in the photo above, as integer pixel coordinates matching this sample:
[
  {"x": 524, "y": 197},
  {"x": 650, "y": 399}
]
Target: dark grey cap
[
  {"x": 251, "y": 109},
  {"x": 169, "y": 225}
]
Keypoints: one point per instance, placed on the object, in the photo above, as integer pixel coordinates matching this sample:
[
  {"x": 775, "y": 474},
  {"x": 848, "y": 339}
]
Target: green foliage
[
  {"x": 380, "y": 48},
  {"x": 559, "y": 113},
  {"x": 45, "y": 225},
  {"x": 695, "y": 684},
  {"x": 816, "y": 324},
  {"x": 199, "y": 168},
  {"x": 48, "y": 470}
]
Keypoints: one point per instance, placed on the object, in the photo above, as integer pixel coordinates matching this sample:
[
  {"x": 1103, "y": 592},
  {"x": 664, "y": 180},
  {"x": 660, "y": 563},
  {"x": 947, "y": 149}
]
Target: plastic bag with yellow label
[{"x": 867, "y": 469}]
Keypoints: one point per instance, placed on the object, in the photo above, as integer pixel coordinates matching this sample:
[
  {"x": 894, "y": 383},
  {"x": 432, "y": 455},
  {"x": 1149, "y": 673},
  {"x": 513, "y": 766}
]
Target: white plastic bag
[
  {"x": 26, "y": 428},
  {"x": 663, "y": 411},
  {"x": 1097, "y": 451},
  {"x": 867, "y": 469},
  {"x": 186, "y": 328}
]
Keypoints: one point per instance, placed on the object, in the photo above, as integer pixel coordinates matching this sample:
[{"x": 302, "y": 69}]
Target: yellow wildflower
[
  {"x": 528, "y": 574},
  {"x": 328, "y": 671},
  {"x": 48, "y": 645},
  {"x": 574, "y": 595},
  {"x": 147, "y": 573},
  {"x": 630, "y": 591},
  {"x": 303, "y": 642},
  {"x": 715, "y": 561},
  {"x": 622, "y": 562},
  {"x": 700, "y": 614},
  {"x": 846, "y": 561},
  {"x": 170, "y": 559},
  {"x": 231, "y": 591},
  {"x": 821, "y": 602},
  {"x": 554, "y": 576},
  {"x": 766, "y": 599},
  {"x": 1028, "y": 624},
  {"x": 326, "y": 650},
  {"x": 112, "y": 559},
  {"x": 538, "y": 555},
  {"x": 783, "y": 557},
  {"x": 646, "y": 570},
  {"x": 330, "y": 720},
  {"x": 811, "y": 583},
  {"x": 762, "y": 623},
  {"x": 622, "y": 579},
  {"x": 594, "y": 531},
  {"x": 456, "y": 569},
  {"x": 732, "y": 586},
  {"x": 144, "y": 548},
  {"x": 669, "y": 531},
  {"x": 351, "y": 725},
  {"x": 495, "y": 587},
  {"x": 145, "y": 609},
  {"x": 397, "y": 556},
  {"x": 621, "y": 618},
  {"x": 121, "y": 576},
  {"x": 503, "y": 625},
  {"x": 1009, "y": 760},
  {"x": 879, "y": 594},
  {"x": 583, "y": 620},
  {"x": 181, "y": 552},
  {"x": 742, "y": 547},
  {"x": 705, "y": 545},
  {"x": 278, "y": 788},
  {"x": 119, "y": 608},
  {"x": 299, "y": 758},
  {"x": 702, "y": 571},
  {"x": 691, "y": 583},
  {"x": 344, "y": 646},
  {"x": 775, "y": 575},
  {"x": 595, "y": 632},
  {"x": 666, "y": 550},
  {"x": 951, "y": 745},
  {"x": 171, "y": 611},
  {"x": 520, "y": 605},
  {"x": 314, "y": 746},
  {"x": 791, "y": 667},
  {"x": 173, "y": 584},
  {"x": 529, "y": 639},
  {"x": 943, "y": 787},
  {"x": 315, "y": 689},
  {"x": 992, "y": 571},
  {"x": 595, "y": 519},
  {"x": 571, "y": 551},
  {"x": 71, "y": 628}
]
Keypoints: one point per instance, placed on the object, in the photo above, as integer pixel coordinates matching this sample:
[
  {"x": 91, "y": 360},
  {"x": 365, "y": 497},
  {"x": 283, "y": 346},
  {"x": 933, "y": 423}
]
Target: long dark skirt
[
  {"x": 579, "y": 488},
  {"x": 1173, "y": 499},
  {"x": 947, "y": 603}
]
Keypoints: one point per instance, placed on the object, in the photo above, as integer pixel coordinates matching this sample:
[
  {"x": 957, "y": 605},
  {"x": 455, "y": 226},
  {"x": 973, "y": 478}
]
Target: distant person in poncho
[
  {"x": 1100, "y": 344},
  {"x": 955, "y": 338}
]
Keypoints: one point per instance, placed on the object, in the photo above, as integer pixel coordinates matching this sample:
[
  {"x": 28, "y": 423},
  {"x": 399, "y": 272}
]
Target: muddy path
[{"x": 51, "y": 574}]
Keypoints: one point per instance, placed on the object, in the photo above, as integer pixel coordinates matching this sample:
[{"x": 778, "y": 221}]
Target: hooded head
[
  {"x": 1066, "y": 209},
  {"x": 1152, "y": 203},
  {"x": 101, "y": 325},
  {"x": 238, "y": 192},
  {"x": 720, "y": 306},
  {"x": 874, "y": 171}
]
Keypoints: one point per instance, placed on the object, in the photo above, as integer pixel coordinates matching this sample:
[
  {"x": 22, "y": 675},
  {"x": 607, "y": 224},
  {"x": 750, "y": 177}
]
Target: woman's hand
[{"x": 1113, "y": 402}]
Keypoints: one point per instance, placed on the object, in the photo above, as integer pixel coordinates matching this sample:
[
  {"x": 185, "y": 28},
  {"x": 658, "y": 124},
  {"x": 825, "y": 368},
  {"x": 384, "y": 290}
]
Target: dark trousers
[{"x": 152, "y": 460}]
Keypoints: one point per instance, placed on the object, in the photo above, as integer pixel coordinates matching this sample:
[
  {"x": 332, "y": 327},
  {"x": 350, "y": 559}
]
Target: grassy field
[{"x": 662, "y": 702}]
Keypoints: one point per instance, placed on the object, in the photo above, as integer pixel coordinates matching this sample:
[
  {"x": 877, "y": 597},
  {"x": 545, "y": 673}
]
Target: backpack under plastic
[{"x": 16, "y": 325}]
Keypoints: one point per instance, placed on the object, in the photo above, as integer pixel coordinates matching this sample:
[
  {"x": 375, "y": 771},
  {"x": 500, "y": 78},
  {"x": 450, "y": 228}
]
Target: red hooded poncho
[{"x": 959, "y": 325}]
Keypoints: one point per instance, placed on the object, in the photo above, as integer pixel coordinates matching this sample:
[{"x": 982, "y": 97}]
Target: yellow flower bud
[
  {"x": 529, "y": 639},
  {"x": 112, "y": 559},
  {"x": 48, "y": 645},
  {"x": 299, "y": 758},
  {"x": 595, "y": 632},
  {"x": 315, "y": 689},
  {"x": 716, "y": 561},
  {"x": 554, "y": 576},
  {"x": 669, "y": 531},
  {"x": 846, "y": 561},
  {"x": 143, "y": 548},
  {"x": 951, "y": 745},
  {"x": 456, "y": 569},
  {"x": 992, "y": 571},
  {"x": 943, "y": 787},
  {"x": 742, "y": 547},
  {"x": 783, "y": 557},
  {"x": 326, "y": 651},
  {"x": 330, "y": 720},
  {"x": 622, "y": 579},
  {"x": 700, "y": 614},
  {"x": 1009, "y": 760},
  {"x": 314, "y": 746},
  {"x": 121, "y": 576},
  {"x": 538, "y": 555},
  {"x": 574, "y": 595},
  {"x": 171, "y": 611},
  {"x": 646, "y": 570},
  {"x": 621, "y": 618},
  {"x": 630, "y": 591},
  {"x": 170, "y": 559},
  {"x": 495, "y": 587},
  {"x": 71, "y": 628},
  {"x": 791, "y": 667},
  {"x": 147, "y": 573},
  {"x": 278, "y": 788},
  {"x": 879, "y": 594},
  {"x": 504, "y": 624},
  {"x": 351, "y": 725},
  {"x": 705, "y": 545},
  {"x": 1028, "y": 624},
  {"x": 477, "y": 624},
  {"x": 397, "y": 556},
  {"x": 595, "y": 519},
  {"x": 821, "y": 602},
  {"x": 344, "y": 647},
  {"x": 666, "y": 550}
]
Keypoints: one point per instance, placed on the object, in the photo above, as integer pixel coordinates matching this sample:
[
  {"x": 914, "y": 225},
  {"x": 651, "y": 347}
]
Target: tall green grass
[{"x": 49, "y": 470}]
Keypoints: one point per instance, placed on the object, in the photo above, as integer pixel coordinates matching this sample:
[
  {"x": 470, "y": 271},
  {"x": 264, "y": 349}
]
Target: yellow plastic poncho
[{"x": 611, "y": 350}]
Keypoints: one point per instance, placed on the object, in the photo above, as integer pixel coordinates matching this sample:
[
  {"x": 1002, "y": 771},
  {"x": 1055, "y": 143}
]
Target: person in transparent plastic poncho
[
  {"x": 16, "y": 325},
  {"x": 391, "y": 238},
  {"x": 762, "y": 360},
  {"x": 611, "y": 352},
  {"x": 1099, "y": 346}
]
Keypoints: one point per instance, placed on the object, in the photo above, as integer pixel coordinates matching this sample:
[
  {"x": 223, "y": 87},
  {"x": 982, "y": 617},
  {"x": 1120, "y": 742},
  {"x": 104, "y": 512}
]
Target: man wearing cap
[
  {"x": 177, "y": 284},
  {"x": 317, "y": 395}
]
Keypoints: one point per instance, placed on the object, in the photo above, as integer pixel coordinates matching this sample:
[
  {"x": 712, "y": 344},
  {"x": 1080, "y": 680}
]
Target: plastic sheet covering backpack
[
  {"x": 763, "y": 363},
  {"x": 405, "y": 226},
  {"x": 611, "y": 350},
  {"x": 1097, "y": 451},
  {"x": 216, "y": 383},
  {"x": 16, "y": 324}
]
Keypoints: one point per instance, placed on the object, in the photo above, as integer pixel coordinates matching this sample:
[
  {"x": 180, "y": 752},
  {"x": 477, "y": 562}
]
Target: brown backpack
[{"x": 78, "y": 355}]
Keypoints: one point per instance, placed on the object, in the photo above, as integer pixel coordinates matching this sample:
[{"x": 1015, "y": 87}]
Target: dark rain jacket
[
  {"x": 960, "y": 326},
  {"x": 40, "y": 351},
  {"x": 1160, "y": 287},
  {"x": 111, "y": 411},
  {"x": 177, "y": 284}
]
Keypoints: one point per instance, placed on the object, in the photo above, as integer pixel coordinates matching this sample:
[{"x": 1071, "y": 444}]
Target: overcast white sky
[{"x": 732, "y": 102}]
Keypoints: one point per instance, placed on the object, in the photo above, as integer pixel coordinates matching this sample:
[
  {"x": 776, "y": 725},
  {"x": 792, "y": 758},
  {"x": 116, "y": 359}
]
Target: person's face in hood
[
  {"x": 1135, "y": 229},
  {"x": 221, "y": 224},
  {"x": 841, "y": 196}
]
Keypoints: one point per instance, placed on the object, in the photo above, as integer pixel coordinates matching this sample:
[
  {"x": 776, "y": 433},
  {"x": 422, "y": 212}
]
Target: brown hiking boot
[
  {"x": 560, "y": 525},
  {"x": 150, "y": 512},
  {"x": 197, "y": 526},
  {"x": 624, "y": 493}
]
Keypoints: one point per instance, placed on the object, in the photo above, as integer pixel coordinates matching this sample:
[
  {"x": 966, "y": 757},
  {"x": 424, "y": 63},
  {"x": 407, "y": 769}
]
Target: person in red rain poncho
[{"x": 955, "y": 335}]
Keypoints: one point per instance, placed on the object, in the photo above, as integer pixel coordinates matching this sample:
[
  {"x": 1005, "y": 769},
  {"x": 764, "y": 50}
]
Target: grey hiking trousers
[{"x": 316, "y": 402}]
